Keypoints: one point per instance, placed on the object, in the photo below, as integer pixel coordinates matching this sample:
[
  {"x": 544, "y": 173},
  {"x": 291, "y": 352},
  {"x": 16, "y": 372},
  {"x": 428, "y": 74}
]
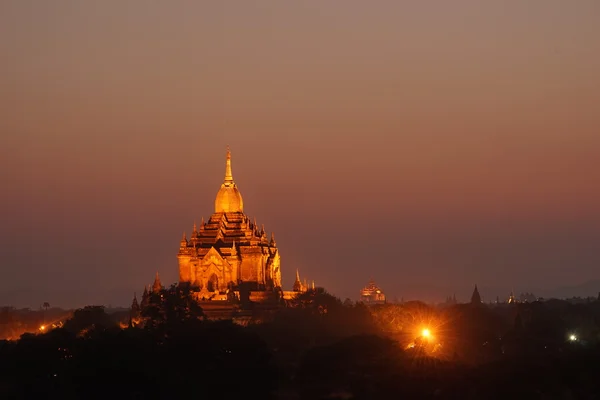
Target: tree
[
  {"x": 46, "y": 306},
  {"x": 171, "y": 306},
  {"x": 88, "y": 319}
]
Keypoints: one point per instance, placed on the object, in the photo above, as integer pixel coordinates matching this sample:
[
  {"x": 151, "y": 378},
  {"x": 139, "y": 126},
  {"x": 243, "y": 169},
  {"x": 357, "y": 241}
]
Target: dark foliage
[
  {"x": 89, "y": 320},
  {"x": 317, "y": 348}
]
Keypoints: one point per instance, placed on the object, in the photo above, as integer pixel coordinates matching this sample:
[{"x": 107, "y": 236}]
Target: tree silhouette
[
  {"x": 172, "y": 306},
  {"x": 89, "y": 319}
]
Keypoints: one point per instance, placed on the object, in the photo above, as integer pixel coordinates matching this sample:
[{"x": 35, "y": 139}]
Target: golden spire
[
  {"x": 298, "y": 287},
  {"x": 228, "y": 176},
  {"x": 228, "y": 199}
]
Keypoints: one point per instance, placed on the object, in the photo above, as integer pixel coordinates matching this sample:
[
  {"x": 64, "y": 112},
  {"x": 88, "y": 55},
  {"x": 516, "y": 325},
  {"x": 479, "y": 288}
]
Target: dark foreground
[{"x": 318, "y": 349}]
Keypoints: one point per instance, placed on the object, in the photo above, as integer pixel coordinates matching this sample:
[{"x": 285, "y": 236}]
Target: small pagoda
[{"x": 372, "y": 294}]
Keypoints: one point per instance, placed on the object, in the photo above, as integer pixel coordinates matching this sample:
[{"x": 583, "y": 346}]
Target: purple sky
[{"x": 430, "y": 145}]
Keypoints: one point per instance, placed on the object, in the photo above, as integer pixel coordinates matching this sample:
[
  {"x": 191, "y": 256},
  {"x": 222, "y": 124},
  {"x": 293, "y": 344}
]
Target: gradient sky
[{"x": 430, "y": 145}]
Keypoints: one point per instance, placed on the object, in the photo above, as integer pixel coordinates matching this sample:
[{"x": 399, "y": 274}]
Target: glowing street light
[
  {"x": 43, "y": 328},
  {"x": 426, "y": 333},
  {"x": 573, "y": 338}
]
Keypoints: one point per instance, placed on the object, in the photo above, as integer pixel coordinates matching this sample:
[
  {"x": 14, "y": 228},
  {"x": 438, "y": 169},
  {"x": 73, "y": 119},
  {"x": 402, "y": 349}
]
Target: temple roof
[
  {"x": 370, "y": 289},
  {"x": 228, "y": 229},
  {"x": 229, "y": 198}
]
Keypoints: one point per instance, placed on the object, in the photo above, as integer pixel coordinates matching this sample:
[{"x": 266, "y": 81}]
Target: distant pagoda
[
  {"x": 476, "y": 297},
  {"x": 372, "y": 294}
]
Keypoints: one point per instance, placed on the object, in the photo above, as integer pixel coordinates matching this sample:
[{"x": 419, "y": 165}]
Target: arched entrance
[{"x": 213, "y": 283}]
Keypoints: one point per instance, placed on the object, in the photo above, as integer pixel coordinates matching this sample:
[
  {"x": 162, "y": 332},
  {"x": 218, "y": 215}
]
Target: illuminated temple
[
  {"x": 230, "y": 253},
  {"x": 372, "y": 294},
  {"x": 229, "y": 262}
]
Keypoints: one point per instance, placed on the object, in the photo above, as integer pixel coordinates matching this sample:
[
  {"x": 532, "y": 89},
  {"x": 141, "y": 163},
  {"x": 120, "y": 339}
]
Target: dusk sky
[{"x": 430, "y": 145}]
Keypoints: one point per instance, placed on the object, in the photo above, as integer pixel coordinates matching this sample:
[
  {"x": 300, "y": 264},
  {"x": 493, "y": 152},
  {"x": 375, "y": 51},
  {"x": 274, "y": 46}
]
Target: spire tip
[{"x": 228, "y": 175}]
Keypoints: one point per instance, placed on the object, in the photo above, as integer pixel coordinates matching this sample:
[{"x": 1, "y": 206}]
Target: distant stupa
[{"x": 475, "y": 297}]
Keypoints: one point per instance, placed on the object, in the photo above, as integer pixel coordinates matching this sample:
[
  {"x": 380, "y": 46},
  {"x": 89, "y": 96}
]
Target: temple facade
[
  {"x": 229, "y": 251},
  {"x": 372, "y": 294}
]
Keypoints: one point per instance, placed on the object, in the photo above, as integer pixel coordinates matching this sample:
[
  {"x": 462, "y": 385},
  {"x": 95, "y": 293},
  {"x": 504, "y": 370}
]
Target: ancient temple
[
  {"x": 372, "y": 294},
  {"x": 302, "y": 287},
  {"x": 229, "y": 251}
]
